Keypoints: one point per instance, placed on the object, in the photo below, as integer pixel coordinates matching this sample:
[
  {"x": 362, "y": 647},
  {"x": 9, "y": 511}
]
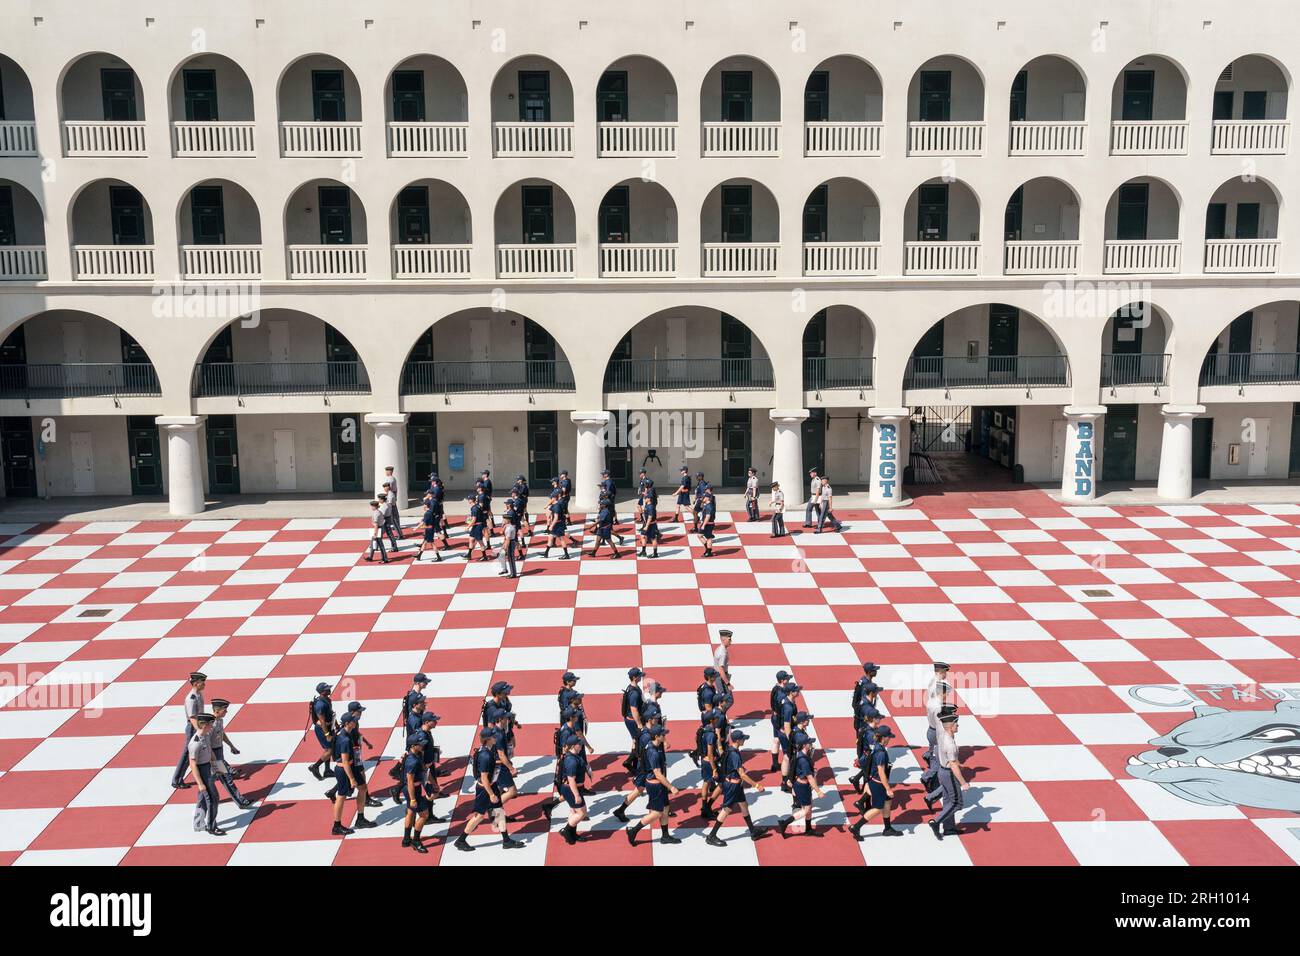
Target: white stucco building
[{"x": 250, "y": 247}]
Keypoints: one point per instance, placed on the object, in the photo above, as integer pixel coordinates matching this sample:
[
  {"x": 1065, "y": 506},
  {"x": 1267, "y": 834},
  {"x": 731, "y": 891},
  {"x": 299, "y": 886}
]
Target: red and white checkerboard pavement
[{"x": 998, "y": 585}]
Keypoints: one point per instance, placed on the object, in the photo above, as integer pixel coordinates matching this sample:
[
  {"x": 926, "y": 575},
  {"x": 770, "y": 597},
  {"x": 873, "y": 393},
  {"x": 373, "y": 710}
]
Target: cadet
[
  {"x": 519, "y": 490},
  {"x": 778, "y": 510},
  {"x": 869, "y": 671},
  {"x": 193, "y": 706},
  {"x": 951, "y": 781},
  {"x": 751, "y": 495},
  {"x": 704, "y": 523},
  {"x": 814, "y": 499},
  {"x": 573, "y": 770},
  {"x": 217, "y": 741},
  {"x": 652, "y": 719},
  {"x": 321, "y": 713},
  {"x": 199, "y": 753},
  {"x": 485, "y": 485},
  {"x": 935, "y": 704},
  {"x": 868, "y": 719},
  {"x": 880, "y": 792},
  {"x": 358, "y": 763},
  {"x": 568, "y": 690},
  {"x": 610, "y": 490},
  {"x": 419, "y": 682},
  {"x": 347, "y": 757},
  {"x": 431, "y": 524},
  {"x": 509, "y": 543},
  {"x": 479, "y": 536},
  {"x": 376, "y": 533},
  {"x": 604, "y": 527},
  {"x": 827, "y": 496},
  {"x": 707, "y": 693},
  {"x": 734, "y": 779},
  {"x": 394, "y": 518},
  {"x": 566, "y": 491},
  {"x": 658, "y": 788},
  {"x": 630, "y": 705},
  {"x": 557, "y": 527},
  {"x": 722, "y": 662},
  {"x": 431, "y": 753},
  {"x": 683, "y": 493},
  {"x": 708, "y": 744},
  {"x": 439, "y": 494},
  {"x": 775, "y": 702},
  {"x": 785, "y": 727},
  {"x": 394, "y": 499},
  {"x": 486, "y": 800},
  {"x": 417, "y": 803},
  {"x": 805, "y": 785},
  {"x": 505, "y": 778},
  {"x": 648, "y": 531}
]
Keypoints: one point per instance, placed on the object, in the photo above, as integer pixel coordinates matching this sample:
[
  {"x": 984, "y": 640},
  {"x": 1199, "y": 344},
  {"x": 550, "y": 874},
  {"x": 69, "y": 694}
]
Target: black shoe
[
  {"x": 331, "y": 793},
  {"x": 245, "y": 805},
  {"x": 935, "y": 827},
  {"x": 951, "y": 831},
  {"x": 813, "y": 831},
  {"x": 463, "y": 844},
  {"x": 570, "y": 835},
  {"x": 669, "y": 839},
  {"x": 757, "y": 833},
  {"x": 419, "y": 847},
  {"x": 621, "y": 814},
  {"x": 372, "y": 802},
  {"x": 216, "y": 831},
  {"x": 363, "y": 824},
  {"x": 340, "y": 830},
  {"x": 315, "y": 770},
  {"x": 776, "y": 764},
  {"x": 509, "y": 843},
  {"x": 180, "y": 786},
  {"x": 631, "y": 836},
  {"x": 711, "y": 840},
  {"x": 436, "y": 819},
  {"x": 406, "y": 841},
  {"x": 890, "y": 831},
  {"x": 856, "y": 830},
  {"x": 397, "y": 797}
]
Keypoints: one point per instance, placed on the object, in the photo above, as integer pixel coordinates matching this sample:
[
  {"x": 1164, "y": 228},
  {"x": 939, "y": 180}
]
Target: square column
[
  {"x": 887, "y": 430},
  {"x": 1175, "y": 479},
  {"x": 184, "y": 463},
  {"x": 1079, "y": 471},
  {"x": 390, "y": 449},
  {"x": 787, "y": 453},
  {"x": 591, "y": 457}
]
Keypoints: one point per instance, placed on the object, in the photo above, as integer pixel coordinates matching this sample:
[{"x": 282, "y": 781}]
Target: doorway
[
  {"x": 146, "y": 455},
  {"x": 1119, "y": 444},
  {"x": 223, "y": 455},
  {"x": 345, "y": 452}
]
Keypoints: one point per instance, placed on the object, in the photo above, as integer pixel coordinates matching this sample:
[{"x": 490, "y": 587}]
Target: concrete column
[
  {"x": 184, "y": 463},
  {"x": 590, "y": 457},
  {"x": 787, "y": 453},
  {"x": 390, "y": 449},
  {"x": 1176, "y": 451},
  {"x": 887, "y": 431},
  {"x": 1079, "y": 472}
]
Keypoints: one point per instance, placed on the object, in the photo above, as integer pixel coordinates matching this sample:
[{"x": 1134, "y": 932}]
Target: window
[
  {"x": 335, "y": 215},
  {"x": 118, "y": 88},
  {"x": 936, "y": 96},
  {"x": 737, "y": 96},
  {"x": 413, "y": 215},
  {"x": 932, "y": 213},
  {"x": 1139, "y": 94},
  {"x": 615, "y": 216},
  {"x": 327, "y": 96},
  {"x": 814, "y": 216},
  {"x": 408, "y": 96},
  {"x": 200, "y": 95},
  {"x": 1254, "y": 105},
  {"x": 126, "y": 212},
  {"x": 534, "y": 97},
  {"x": 1223, "y": 104},
  {"x": 1131, "y": 216},
  {"x": 611, "y": 97},
  {"x": 538, "y": 215},
  {"x": 208, "y": 212},
  {"x": 1216, "y": 221},
  {"x": 816, "y": 97},
  {"x": 1247, "y": 225},
  {"x": 1012, "y": 222},
  {"x": 737, "y": 214}
]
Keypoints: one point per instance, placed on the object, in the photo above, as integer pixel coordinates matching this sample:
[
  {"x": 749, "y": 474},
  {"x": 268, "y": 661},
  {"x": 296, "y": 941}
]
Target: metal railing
[
  {"x": 688, "y": 375},
  {"x": 825, "y": 373},
  {"x": 1251, "y": 368},
  {"x": 984, "y": 371},
  {"x": 428, "y": 139},
  {"x": 236, "y": 379},
  {"x": 79, "y": 380},
  {"x": 497, "y": 377},
  {"x": 636, "y": 139},
  {"x": 1134, "y": 368},
  {"x": 842, "y": 138}
]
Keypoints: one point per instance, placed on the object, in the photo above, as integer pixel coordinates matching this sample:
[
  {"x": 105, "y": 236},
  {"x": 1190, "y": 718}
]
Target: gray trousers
[
  {"x": 183, "y": 764},
  {"x": 808, "y": 512},
  {"x": 205, "y": 808},
  {"x": 506, "y": 557},
  {"x": 928, "y": 775},
  {"x": 951, "y": 790},
  {"x": 228, "y": 778}
]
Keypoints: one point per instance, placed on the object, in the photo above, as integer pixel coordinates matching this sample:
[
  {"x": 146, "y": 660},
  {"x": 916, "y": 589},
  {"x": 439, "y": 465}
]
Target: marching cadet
[
  {"x": 869, "y": 671},
  {"x": 704, "y": 522},
  {"x": 418, "y": 804},
  {"x": 814, "y": 499},
  {"x": 952, "y": 782},
  {"x": 776, "y": 702},
  {"x": 644, "y": 483},
  {"x": 193, "y": 706},
  {"x": 867, "y": 719},
  {"x": 568, "y": 690},
  {"x": 751, "y": 495},
  {"x": 630, "y": 705},
  {"x": 439, "y": 494},
  {"x": 940, "y": 674},
  {"x": 485, "y": 486},
  {"x": 778, "y": 510},
  {"x": 610, "y": 490},
  {"x": 394, "y": 499},
  {"x": 217, "y": 741},
  {"x": 377, "y": 521},
  {"x": 429, "y": 721},
  {"x": 935, "y": 704},
  {"x": 566, "y": 490},
  {"x": 394, "y": 517},
  {"x": 347, "y": 757},
  {"x": 707, "y": 693},
  {"x": 566, "y": 729},
  {"x": 199, "y": 753},
  {"x": 509, "y": 543},
  {"x": 648, "y": 528},
  {"x": 386, "y": 510},
  {"x": 573, "y": 772},
  {"x": 734, "y": 779},
  {"x": 789, "y": 709},
  {"x": 805, "y": 785},
  {"x": 683, "y": 493},
  {"x": 478, "y": 518},
  {"x": 879, "y": 792},
  {"x": 827, "y": 496},
  {"x": 658, "y": 788},
  {"x": 486, "y": 800},
  {"x": 419, "y": 682},
  {"x": 722, "y": 663},
  {"x": 651, "y": 718},
  {"x": 519, "y": 491},
  {"x": 604, "y": 527},
  {"x": 557, "y": 528},
  {"x": 431, "y": 525},
  {"x": 359, "y": 765},
  {"x": 321, "y": 712},
  {"x": 708, "y": 746},
  {"x": 506, "y": 771}
]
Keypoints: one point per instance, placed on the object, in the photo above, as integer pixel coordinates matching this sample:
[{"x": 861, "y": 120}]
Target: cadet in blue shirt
[
  {"x": 566, "y": 491},
  {"x": 805, "y": 785},
  {"x": 734, "y": 779},
  {"x": 880, "y": 792},
  {"x": 487, "y": 802},
  {"x": 347, "y": 754},
  {"x": 701, "y": 486},
  {"x": 417, "y": 803},
  {"x": 708, "y": 745},
  {"x": 322, "y": 719},
  {"x": 573, "y": 771},
  {"x": 610, "y": 490},
  {"x": 683, "y": 493},
  {"x": 478, "y": 517},
  {"x": 658, "y": 788},
  {"x": 604, "y": 527},
  {"x": 439, "y": 494},
  {"x": 630, "y": 707},
  {"x": 652, "y": 720},
  {"x": 648, "y": 527},
  {"x": 430, "y": 527},
  {"x": 774, "y": 699},
  {"x": 704, "y": 524},
  {"x": 557, "y": 528},
  {"x": 789, "y": 707}
]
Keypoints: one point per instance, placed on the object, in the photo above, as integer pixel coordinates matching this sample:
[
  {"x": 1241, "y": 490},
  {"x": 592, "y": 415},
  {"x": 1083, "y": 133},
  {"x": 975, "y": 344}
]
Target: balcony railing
[
  {"x": 1051, "y": 138},
  {"x": 78, "y": 380},
  {"x": 842, "y": 139},
  {"x": 1148, "y": 137},
  {"x": 636, "y": 139},
  {"x": 986, "y": 371},
  {"x": 1041, "y": 258},
  {"x": 237, "y": 379},
  {"x": 221, "y": 262},
  {"x": 320, "y": 140},
  {"x": 1134, "y": 368},
  {"x": 535, "y": 260},
  {"x": 688, "y": 375},
  {"x": 213, "y": 139},
  {"x": 532, "y": 139},
  {"x": 22, "y": 262},
  {"x": 741, "y": 139},
  {"x": 18, "y": 138},
  {"x": 945, "y": 139},
  {"x": 327, "y": 262},
  {"x": 638, "y": 260},
  {"x": 431, "y": 262},
  {"x": 942, "y": 258},
  {"x": 1242, "y": 255},
  {"x": 739, "y": 258},
  {"x": 103, "y": 138},
  {"x": 428, "y": 139},
  {"x": 1251, "y": 368},
  {"x": 828, "y": 373},
  {"x": 503, "y": 378},
  {"x": 113, "y": 262},
  {"x": 1128, "y": 256},
  {"x": 1257, "y": 137},
  {"x": 841, "y": 258}
]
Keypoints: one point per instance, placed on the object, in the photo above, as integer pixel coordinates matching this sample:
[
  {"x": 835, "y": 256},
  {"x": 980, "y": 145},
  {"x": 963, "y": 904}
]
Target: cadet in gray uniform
[
  {"x": 935, "y": 704},
  {"x": 218, "y": 740},
  {"x": 193, "y": 707},
  {"x": 394, "y": 519},
  {"x": 394, "y": 499},
  {"x": 199, "y": 753},
  {"x": 951, "y": 781}
]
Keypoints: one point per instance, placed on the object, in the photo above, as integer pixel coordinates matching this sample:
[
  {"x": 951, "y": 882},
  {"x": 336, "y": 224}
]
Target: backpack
[
  {"x": 698, "y": 752},
  {"x": 857, "y": 697},
  {"x": 771, "y": 698},
  {"x": 625, "y": 706}
]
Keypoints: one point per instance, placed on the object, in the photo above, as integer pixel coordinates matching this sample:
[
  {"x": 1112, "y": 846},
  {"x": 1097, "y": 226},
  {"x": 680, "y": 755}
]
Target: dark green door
[
  {"x": 543, "y": 449},
  {"x": 611, "y": 97},
  {"x": 1004, "y": 330},
  {"x": 534, "y": 96},
  {"x": 538, "y": 215},
  {"x": 931, "y": 343},
  {"x": 1241, "y": 334},
  {"x": 1222, "y": 105},
  {"x": 615, "y": 216},
  {"x": 1202, "y": 447},
  {"x": 737, "y": 349},
  {"x": 1126, "y": 331},
  {"x": 1119, "y": 448},
  {"x": 413, "y": 215},
  {"x": 146, "y": 455},
  {"x": 1216, "y": 220},
  {"x": 816, "y": 97},
  {"x": 335, "y": 215},
  {"x": 539, "y": 356},
  {"x": 200, "y": 88},
  {"x": 814, "y": 216},
  {"x": 812, "y": 436},
  {"x": 932, "y": 213},
  {"x": 421, "y": 450},
  {"x": 223, "y": 455},
  {"x": 1254, "y": 105},
  {"x": 618, "y": 456},
  {"x": 8, "y": 230},
  {"x": 408, "y": 100},
  {"x": 118, "y": 88},
  {"x": 1247, "y": 226},
  {"x": 737, "y": 442},
  {"x": 1294, "y": 468},
  {"x": 814, "y": 336},
  {"x": 345, "y": 451},
  {"x": 19, "y": 457},
  {"x": 1012, "y": 221},
  {"x": 328, "y": 100},
  {"x": 1139, "y": 94},
  {"x": 1019, "y": 96},
  {"x": 737, "y": 96},
  {"x": 936, "y": 96},
  {"x": 342, "y": 363},
  {"x": 208, "y": 213},
  {"x": 1131, "y": 217},
  {"x": 737, "y": 214},
  {"x": 126, "y": 211}
]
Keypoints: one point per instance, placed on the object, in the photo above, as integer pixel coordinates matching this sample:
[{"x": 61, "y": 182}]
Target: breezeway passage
[{"x": 1070, "y": 631}]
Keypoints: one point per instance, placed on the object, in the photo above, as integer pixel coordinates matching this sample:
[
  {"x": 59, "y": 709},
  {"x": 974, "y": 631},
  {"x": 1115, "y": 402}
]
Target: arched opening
[
  {"x": 1041, "y": 229},
  {"x": 942, "y": 229},
  {"x": 17, "y": 113},
  {"x": 740, "y": 224},
  {"x": 431, "y": 229},
  {"x": 740, "y": 105},
  {"x": 102, "y": 107},
  {"x": 1048, "y": 106},
  {"x": 841, "y": 229},
  {"x": 532, "y": 109},
  {"x": 1143, "y": 228},
  {"x": 1241, "y": 227},
  {"x": 211, "y": 103},
  {"x": 22, "y": 234},
  {"x": 1258, "y": 347},
  {"x": 427, "y": 108},
  {"x": 1149, "y": 108},
  {"x": 325, "y": 226},
  {"x": 843, "y": 105},
  {"x": 220, "y": 230},
  {"x": 839, "y": 347},
  {"x": 320, "y": 106},
  {"x": 636, "y": 226},
  {"x": 945, "y": 109},
  {"x": 636, "y": 109},
  {"x": 1136, "y": 347},
  {"x": 1249, "y": 108},
  {"x": 112, "y": 232},
  {"x": 535, "y": 229}
]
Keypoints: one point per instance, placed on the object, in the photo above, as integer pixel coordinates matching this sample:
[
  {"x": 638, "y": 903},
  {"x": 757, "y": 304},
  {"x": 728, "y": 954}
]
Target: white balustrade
[
  {"x": 320, "y": 140},
  {"x": 1251, "y": 136},
  {"x": 740, "y": 258},
  {"x": 417, "y": 261},
  {"x": 942, "y": 258},
  {"x": 636, "y": 139},
  {"x": 1054, "y": 138},
  {"x": 428, "y": 139},
  {"x": 108, "y": 263},
  {"x": 1129, "y": 256},
  {"x": 1148, "y": 137},
  {"x": 945, "y": 139},
  {"x": 741, "y": 139},
  {"x": 213, "y": 139},
  {"x": 1028, "y": 258},
  {"x": 222, "y": 262},
  {"x": 841, "y": 258},
  {"x": 535, "y": 260},
  {"x": 1242, "y": 255},
  {"x": 638, "y": 260},
  {"x": 103, "y": 138},
  {"x": 532, "y": 139},
  {"x": 327, "y": 262},
  {"x": 842, "y": 139}
]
